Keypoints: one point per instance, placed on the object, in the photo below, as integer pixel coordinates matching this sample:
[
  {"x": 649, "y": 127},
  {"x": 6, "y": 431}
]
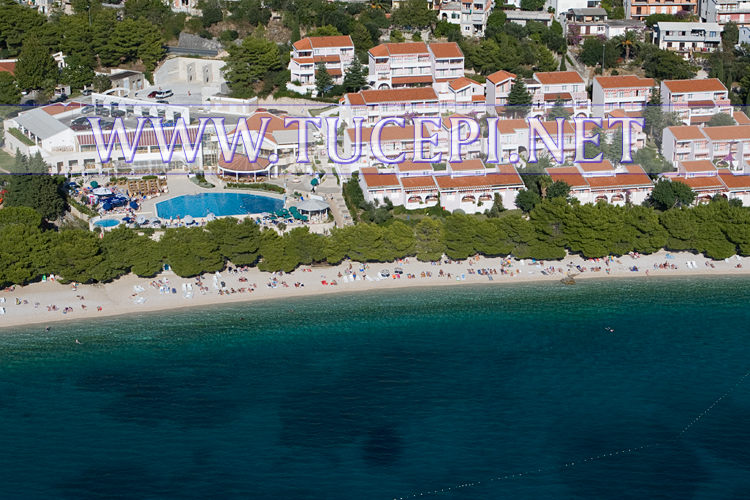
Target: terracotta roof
[
  {"x": 393, "y": 49},
  {"x": 702, "y": 103},
  {"x": 355, "y": 99},
  {"x": 621, "y": 113},
  {"x": 565, "y": 96},
  {"x": 374, "y": 179},
  {"x": 558, "y": 77},
  {"x": 634, "y": 177},
  {"x": 333, "y": 71},
  {"x": 741, "y": 118},
  {"x": 504, "y": 178},
  {"x": 387, "y": 134},
  {"x": 551, "y": 128},
  {"x": 510, "y": 126},
  {"x": 412, "y": 79},
  {"x": 61, "y": 107},
  {"x": 623, "y": 81},
  {"x": 325, "y": 59},
  {"x": 569, "y": 175},
  {"x": 686, "y": 132},
  {"x": 398, "y": 95},
  {"x": 9, "y": 67},
  {"x": 728, "y": 133},
  {"x": 241, "y": 163},
  {"x": 410, "y": 166},
  {"x": 734, "y": 181},
  {"x": 694, "y": 166},
  {"x": 467, "y": 164},
  {"x": 309, "y": 43},
  {"x": 461, "y": 83},
  {"x": 705, "y": 183},
  {"x": 418, "y": 182},
  {"x": 304, "y": 60},
  {"x": 590, "y": 166},
  {"x": 446, "y": 50},
  {"x": 499, "y": 76},
  {"x": 703, "y": 85},
  {"x": 478, "y": 98}
]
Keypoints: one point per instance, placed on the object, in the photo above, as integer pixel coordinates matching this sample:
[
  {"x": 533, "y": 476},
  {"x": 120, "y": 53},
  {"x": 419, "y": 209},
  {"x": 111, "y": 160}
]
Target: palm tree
[
  {"x": 544, "y": 181},
  {"x": 627, "y": 43}
]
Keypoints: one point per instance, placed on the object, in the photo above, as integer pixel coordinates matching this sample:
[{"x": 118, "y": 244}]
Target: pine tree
[
  {"x": 558, "y": 110},
  {"x": 9, "y": 93},
  {"x": 354, "y": 79},
  {"x": 563, "y": 67},
  {"x": 519, "y": 100},
  {"x": 35, "y": 66},
  {"x": 323, "y": 80}
]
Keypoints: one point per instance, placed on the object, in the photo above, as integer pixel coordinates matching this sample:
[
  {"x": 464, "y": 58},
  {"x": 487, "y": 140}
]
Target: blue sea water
[
  {"x": 219, "y": 204},
  {"x": 391, "y": 394}
]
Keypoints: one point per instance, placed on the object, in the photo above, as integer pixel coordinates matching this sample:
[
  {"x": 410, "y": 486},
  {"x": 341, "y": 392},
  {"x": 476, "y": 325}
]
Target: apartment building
[
  {"x": 464, "y": 96},
  {"x": 590, "y": 21},
  {"x": 687, "y": 38},
  {"x": 695, "y": 101},
  {"x": 626, "y": 92},
  {"x": 595, "y": 182},
  {"x": 470, "y": 185},
  {"x": 707, "y": 181},
  {"x": 724, "y": 11},
  {"x": 548, "y": 88},
  {"x": 336, "y": 53},
  {"x": 498, "y": 86},
  {"x": 374, "y": 105},
  {"x": 728, "y": 145},
  {"x": 470, "y": 15},
  {"x": 414, "y": 64},
  {"x": 641, "y": 9}
]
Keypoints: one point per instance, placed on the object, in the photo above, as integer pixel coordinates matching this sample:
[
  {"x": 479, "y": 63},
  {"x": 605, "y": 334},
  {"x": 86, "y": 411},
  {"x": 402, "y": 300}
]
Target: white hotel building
[
  {"x": 695, "y": 101},
  {"x": 414, "y": 64},
  {"x": 336, "y": 53},
  {"x": 628, "y": 93}
]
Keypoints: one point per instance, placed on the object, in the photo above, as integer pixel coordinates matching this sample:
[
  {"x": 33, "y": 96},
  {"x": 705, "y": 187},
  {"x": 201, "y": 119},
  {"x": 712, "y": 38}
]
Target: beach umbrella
[
  {"x": 134, "y": 205},
  {"x": 94, "y": 184},
  {"x": 141, "y": 219},
  {"x": 314, "y": 182},
  {"x": 210, "y": 217},
  {"x": 102, "y": 192},
  {"x": 188, "y": 219}
]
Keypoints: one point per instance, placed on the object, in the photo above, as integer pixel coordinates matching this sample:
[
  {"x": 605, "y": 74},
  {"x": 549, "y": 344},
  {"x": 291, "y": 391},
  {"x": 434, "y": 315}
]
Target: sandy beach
[{"x": 50, "y": 302}]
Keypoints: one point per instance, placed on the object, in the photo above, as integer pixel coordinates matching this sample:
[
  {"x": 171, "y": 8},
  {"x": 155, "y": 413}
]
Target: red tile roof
[
  {"x": 375, "y": 180},
  {"x": 398, "y": 95},
  {"x": 461, "y": 83},
  {"x": 310, "y": 43},
  {"x": 467, "y": 165},
  {"x": 9, "y": 67},
  {"x": 241, "y": 163},
  {"x": 499, "y": 76},
  {"x": 705, "y": 183},
  {"x": 703, "y": 85},
  {"x": 446, "y": 50},
  {"x": 728, "y": 133},
  {"x": 623, "y": 81},
  {"x": 407, "y": 80},
  {"x": 411, "y": 166},
  {"x": 565, "y": 96},
  {"x": 61, "y": 107},
  {"x": 569, "y": 175},
  {"x": 506, "y": 177},
  {"x": 634, "y": 177},
  {"x": 686, "y": 132},
  {"x": 734, "y": 182},
  {"x": 590, "y": 166},
  {"x": 694, "y": 166},
  {"x": 558, "y": 77},
  {"x": 741, "y": 118},
  {"x": 393, "y": 49},
  {"x": 418, "y": 182}
]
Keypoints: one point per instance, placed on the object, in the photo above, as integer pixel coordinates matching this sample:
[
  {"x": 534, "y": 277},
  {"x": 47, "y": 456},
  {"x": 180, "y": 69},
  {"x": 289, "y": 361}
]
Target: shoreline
[{"x": 120, "y": 298}]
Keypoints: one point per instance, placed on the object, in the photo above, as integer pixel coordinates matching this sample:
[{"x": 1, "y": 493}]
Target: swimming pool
[
  {"x": 107, "y": 223},
  {"x": 219, "y": 204}
]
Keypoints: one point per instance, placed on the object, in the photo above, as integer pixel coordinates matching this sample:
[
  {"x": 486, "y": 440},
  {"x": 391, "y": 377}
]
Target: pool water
[
  {"x": 107, "y": 223},
  {"x": 219, "y": 204}
]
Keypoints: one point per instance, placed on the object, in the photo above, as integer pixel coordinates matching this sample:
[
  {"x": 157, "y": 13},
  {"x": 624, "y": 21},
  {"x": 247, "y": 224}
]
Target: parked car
[
  {"x": 86, "y": 92},
  {"x": 118, "y": 113},
  {"x": 87, "y": 109},
  {"x": 107, "y": 124},
  {"x": 80, "y": 124}
]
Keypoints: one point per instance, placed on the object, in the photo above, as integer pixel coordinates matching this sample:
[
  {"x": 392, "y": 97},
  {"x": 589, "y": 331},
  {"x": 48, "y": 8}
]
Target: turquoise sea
[{"x": 392, "y": 394}]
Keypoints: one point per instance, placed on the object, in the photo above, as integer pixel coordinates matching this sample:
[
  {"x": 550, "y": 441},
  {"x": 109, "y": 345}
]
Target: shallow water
[{"x": 391, "y": 394}]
